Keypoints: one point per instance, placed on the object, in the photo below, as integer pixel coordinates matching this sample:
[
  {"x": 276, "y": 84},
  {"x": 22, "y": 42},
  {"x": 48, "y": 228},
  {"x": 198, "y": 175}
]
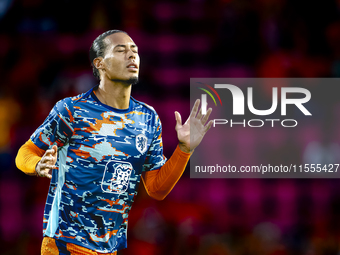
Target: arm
[
  {"x": 159, "y": 183},
  {"x": 34, "y": 161},
  {"x": 38, "y": 155},
  {"x": 28, "y": 156}
]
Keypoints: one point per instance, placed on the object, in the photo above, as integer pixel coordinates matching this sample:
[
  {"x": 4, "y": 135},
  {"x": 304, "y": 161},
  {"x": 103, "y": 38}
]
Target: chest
[{"x": 100, "y": 136}]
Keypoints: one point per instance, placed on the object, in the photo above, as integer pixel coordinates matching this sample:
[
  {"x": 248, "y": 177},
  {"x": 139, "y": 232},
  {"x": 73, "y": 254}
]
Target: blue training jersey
[{"x": 102, "y": 152}]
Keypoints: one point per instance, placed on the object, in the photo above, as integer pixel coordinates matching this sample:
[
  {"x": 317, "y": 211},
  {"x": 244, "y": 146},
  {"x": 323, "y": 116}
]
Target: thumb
[
  {"x": 178, "y": 119},
  {"x": 55, "y": 149}
]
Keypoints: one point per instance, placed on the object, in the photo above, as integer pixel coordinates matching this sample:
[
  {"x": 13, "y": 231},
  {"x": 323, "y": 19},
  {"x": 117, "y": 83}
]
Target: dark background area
[{"x": 44, "y": 58}]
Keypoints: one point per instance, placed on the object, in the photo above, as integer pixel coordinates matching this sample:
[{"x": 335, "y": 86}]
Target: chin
[
  {"x": 133, "y": 80},
  {"x": 128, "y": 81}
]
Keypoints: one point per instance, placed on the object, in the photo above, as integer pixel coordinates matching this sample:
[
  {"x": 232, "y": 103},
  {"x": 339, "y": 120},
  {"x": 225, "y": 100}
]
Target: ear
[{"x": 98, "y": 63}]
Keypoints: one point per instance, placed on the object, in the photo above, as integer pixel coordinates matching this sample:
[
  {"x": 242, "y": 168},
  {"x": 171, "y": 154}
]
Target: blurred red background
[{"x": 44, "y": 57}]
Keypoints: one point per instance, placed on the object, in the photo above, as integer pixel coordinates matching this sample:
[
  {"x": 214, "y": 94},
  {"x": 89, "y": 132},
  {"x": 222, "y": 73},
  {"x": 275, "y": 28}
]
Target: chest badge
[
  {"x": 141, "y": 143},
  {"x": 116, "y": 177}
]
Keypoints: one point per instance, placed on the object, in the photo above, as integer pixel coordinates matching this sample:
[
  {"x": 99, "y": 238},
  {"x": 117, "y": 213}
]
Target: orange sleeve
[
  {"x": 159, "y": 183},
  {"x": 28, "y": 156}
]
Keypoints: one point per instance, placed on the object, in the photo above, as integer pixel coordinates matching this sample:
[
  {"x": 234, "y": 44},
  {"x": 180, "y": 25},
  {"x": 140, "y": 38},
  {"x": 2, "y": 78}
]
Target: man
[{"x": 96, "y": 147}]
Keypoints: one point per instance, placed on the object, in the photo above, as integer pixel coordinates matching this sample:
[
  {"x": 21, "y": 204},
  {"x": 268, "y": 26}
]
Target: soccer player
[{"x": 96, "y": 148}]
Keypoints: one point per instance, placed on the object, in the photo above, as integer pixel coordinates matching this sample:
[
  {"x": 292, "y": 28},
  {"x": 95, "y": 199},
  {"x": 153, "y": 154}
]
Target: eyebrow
[{"x": 123, "y": 45}]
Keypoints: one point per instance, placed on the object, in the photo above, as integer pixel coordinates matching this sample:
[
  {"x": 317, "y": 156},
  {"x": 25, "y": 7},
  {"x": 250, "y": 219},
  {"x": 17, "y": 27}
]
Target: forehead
[{"x": 118, "y": 38}]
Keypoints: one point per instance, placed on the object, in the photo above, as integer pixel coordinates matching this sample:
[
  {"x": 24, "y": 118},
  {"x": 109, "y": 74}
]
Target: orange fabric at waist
[{"x": 49, "y": 247}]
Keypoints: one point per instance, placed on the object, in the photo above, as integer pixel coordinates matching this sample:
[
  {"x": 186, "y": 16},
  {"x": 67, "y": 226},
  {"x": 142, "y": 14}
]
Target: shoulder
[
  {"x": 66, "y": 105},
  {"x": 70, "y": 101},
  {"x": 149, "y": 110},
  {"x": 145, "y": 107}
]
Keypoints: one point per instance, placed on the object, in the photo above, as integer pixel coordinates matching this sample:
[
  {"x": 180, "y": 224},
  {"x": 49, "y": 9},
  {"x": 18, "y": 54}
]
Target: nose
[{"x": 132, "y": 55}]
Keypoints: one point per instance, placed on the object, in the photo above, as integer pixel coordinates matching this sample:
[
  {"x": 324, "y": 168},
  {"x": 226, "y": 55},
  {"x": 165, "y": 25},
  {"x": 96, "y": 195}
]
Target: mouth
[{"x": 132, "y": 67}]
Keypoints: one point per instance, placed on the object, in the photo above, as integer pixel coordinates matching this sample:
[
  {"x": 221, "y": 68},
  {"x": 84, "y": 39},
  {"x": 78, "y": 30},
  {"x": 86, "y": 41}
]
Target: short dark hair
[{"x": 98, "y": 49}]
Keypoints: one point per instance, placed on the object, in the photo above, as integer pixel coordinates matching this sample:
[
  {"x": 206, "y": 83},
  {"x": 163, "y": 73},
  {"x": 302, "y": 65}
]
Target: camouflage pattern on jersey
[{"x": 102, "y": 152}]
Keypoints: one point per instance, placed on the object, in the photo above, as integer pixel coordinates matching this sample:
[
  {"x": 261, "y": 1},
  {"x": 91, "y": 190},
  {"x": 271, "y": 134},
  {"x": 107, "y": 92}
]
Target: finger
[
  {"x": 55, "y": 150},
  {"x": 46, "y": 159},
  {"x": 195, "y": 109},
  {"x": 206, "y": 117},
  {"x": 49, "y": 174},
  {"x": 49, "y": 152},
  {"x": 187, "y": 121},
  {"x": 48, "y": 166},
  {"x": 45, "y": 174},
  {"x": 178, "y": 119},
  {"x": 208, "y": 126},
  {"x": 199, "y": 115}
]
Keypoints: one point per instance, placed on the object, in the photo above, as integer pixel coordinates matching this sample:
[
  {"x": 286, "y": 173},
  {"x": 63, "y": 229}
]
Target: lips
[{"x": 132, "y": 66}]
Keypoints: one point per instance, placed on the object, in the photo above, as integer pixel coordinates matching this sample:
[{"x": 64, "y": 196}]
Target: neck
[{"x": 114, "y": 93}]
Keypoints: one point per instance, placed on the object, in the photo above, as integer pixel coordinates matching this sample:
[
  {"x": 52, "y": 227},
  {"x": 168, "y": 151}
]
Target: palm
[{"x": 191, "y": 133}]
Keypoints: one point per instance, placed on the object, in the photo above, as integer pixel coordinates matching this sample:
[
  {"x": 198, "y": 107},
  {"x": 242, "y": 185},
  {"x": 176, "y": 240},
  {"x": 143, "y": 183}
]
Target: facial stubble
[{"x": 131, "y": 81}]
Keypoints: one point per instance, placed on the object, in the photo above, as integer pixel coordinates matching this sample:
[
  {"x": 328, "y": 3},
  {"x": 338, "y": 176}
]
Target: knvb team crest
[{"x": 141, "y": 143}]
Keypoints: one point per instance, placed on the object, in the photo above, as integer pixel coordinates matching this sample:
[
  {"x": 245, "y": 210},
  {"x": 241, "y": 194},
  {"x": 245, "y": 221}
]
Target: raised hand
[
  {"x": 196, "y": 124},
  {"x": 47, "y": 163}
]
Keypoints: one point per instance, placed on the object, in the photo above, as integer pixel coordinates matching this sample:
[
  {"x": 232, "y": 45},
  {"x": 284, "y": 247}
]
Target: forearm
[
  {"x": 28, "y": 156},
  {"x": 159, "y": 183}
]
